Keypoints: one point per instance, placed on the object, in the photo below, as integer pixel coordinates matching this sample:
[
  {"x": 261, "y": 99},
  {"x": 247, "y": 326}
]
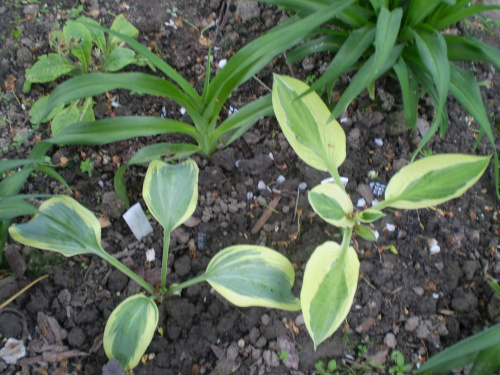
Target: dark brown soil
[{"x": 413, "y": 301}]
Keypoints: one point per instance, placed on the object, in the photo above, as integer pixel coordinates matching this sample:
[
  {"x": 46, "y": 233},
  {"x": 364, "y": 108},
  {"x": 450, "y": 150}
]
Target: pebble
[
  {"x": 419, "y": 291},
  {"x": 390, "y": 340},
  {"x": 241, "y": 343},
  {"x": 439, "y": 266},
  {"x": 365, "y": 326},
  {"x": 412, "y": 323},
  {"x": 299, "y": 320},
  {"x": 266, "y": 319},
  {"x": 261, "y": 342},
  {"x": 271, "y": 358}
]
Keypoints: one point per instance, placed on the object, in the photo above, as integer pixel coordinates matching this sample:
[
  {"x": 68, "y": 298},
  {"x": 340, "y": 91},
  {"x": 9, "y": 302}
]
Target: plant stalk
[
  {"x": 127, "y": 271},
  {"x": 164, "y": 261},
  {"x": 185, "y": 284}
]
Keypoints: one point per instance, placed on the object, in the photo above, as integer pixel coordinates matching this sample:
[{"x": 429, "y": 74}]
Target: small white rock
[
  {"x": 183, "y": 111},
  {"x": 222, "y": 63},
  {"x": 378, "y": 142},
  {"x": 390, "y": 227},
  {"x": 377, "y": 235},
  {"x": 101, "y": 183},
  {"x": 261, "y": 185},
  {"x": 434, "y": 248},
  {"x": 303, "y": 186},
  {"x": 271, "y": 156},
  {"x": 435, "y": 295},
  {"x": 343, "y": 120},
  {"x": 237, "y": 164},
  {"x": 372, "y": 174},
  {"x": 232, "y": 110},
  {"x": 150, "y": 255},
  {"x": 249, "y": 196},
  {"x": 281, "y": 179},
  {"x": 361, "y": 202}
]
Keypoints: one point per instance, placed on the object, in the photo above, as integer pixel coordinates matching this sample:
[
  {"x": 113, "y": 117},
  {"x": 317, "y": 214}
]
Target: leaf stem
[
  {"x": 185, "y": 284},
  {"x": 164, "y": 261},
  {"x": 127, "y": 271}
]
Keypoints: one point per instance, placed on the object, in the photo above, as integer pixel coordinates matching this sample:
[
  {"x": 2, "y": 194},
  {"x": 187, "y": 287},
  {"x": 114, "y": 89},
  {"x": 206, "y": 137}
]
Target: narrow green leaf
[
  {"x": 77, "y": 35},
  {"x": 365, "y": 232},
  {"x": 118, "y": 58},
  {"x": 487, "y": 361},
  {"x": 494, "y": 285},
  {"x": 171, "y": 192},
  {"x": 63, "y": 226},
  {"x": 388, "y": 24},
  {"x": 332, "y": 203},
  {"x": 13, "y": 184},
  {"x": 316, "y": 140},
  {"x": 464, "y": 352},
  {"x": 330, "y": 281},
  {"x": 158, "y": 150},
  {"x": 454, "y": 17},
  {"x": 433, "y": 180},
  {"x": 7, "y": 165},
  {"x": 327, "y": 43},
  {"x": 118, "y": 129},
  {"x": 130, "y": 329},
  {"x": 119, "y": 185},
  {"x": 409, "y": 90},
  {"x": 250, "y": 275},
  {"x": 52, "y": 173},
  {"x": 471, "y": 49},
  {"x": 48, "y": 68},
  {"x": 15, "y": 206}
]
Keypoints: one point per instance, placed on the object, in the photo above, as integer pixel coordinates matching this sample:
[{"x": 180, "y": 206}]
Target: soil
[{"x": 415, "y": 301}]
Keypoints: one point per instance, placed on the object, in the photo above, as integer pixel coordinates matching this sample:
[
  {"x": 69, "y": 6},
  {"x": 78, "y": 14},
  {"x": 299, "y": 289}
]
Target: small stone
[
  {"x": 390, "y": 340},
  {"x": 261, "y": 342},
  {"x": 366, "y": 325},
  {"x": 419, "y": 291},
  {"x": 253, "y": 335},
  {"x": 241, "y": 343},
  {"x": 439, "y": 266},
  {"x": 299, "y": 320},
  {"x": 423, "y": 330},
  {"x": 412, "y": 323},
  {"x": 271, "y": 358},
  {"x": 266, "y": 319}
]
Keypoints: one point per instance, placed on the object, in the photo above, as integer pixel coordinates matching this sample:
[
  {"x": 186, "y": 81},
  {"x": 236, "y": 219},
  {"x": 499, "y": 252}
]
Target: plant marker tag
[
  {"x": 377, "y": 187},
  {"x": 330, "y": 180},
  {"x": 137, "y": 221}
]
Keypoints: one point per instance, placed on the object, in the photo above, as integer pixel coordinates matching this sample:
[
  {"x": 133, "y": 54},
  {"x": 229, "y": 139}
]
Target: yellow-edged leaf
[
  {"x": 317, "y": 141},
  {"x": 249, "y": 275},
  {"x": 333, "y": 204},
  {"x": 330, "y": 281},
  {"x": 130, "y": 329},
  {"x": 434, "y": 180},
  {"x": 171, "y": 192}
]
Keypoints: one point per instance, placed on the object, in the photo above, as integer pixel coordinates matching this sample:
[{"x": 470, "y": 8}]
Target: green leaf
[
  {"x": 454, "y": 17},
  {"x": 171, "y": 192},
  {"x": 250, "y": 275},
  {"x": 332, "y": 203},
  {"x": 316, "y": 140},
  {"x": 96, "y": 34},
  {"x": 433, "y": 180},
  {"x": 13, "y": 184},
  {"x": 409, "y": 90},
  {"x": 48, "y": 68},
  {"x": 471, "y": 49},
  {"x": 86, "y": 110},
  {"x": 365, "y": 232},
  {"x": 118, "y": 59},
  {"x": 63, "y": 226},
  {"x": 15, "y": 206},
  {"x": 464, "y": 352},
  {"x": 38, "y": 109},
  {"x": 64, "y": 118},
  {"x": 487, "y": 361},
  {"x": 158, "y": 150},
  {"x": 77, "y": 36},
  {"x": 130, "y": 329},
  {"x": 494, "y": 284},
  {"x": 330, "y": 281},
  {"x": 327, "y": 43},
  {"x": 7, "y": 165},
  {"x": 122, "y": 26},
  {"x": 52, "y": 173},
  {"x": 369, "y": 215}
]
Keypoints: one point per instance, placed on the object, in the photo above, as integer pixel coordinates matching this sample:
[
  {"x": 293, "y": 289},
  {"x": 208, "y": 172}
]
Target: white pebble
[
  {"x": 361, "y": 202},
  {"x": 343, "y": 120},
  {"x": 303, "y": 186},
  {"x": 261, "y": 185},
  {"x": 150, "y": 255},
  {"x": 377, "y": 235},
  {"x": 101, "y": 183},
  {"x": 222, "y": 63},
  {"x": 249, "y": 196},
  {"x": 183, "y": 111},
  {"x": 378, "y": 142},
  {"x": 434, "y": 248},
  {"x": 237, "y": 164},
  {"x": 390, "y": 227},
  {"x": 271, "y": 156},
  {"x": 281, "y": 179},
  {"x": 435, "y": 295},
  {"x": 372, "y": 174}
]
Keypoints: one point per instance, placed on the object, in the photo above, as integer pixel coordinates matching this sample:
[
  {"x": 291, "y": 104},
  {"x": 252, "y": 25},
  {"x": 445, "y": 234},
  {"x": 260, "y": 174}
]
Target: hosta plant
[
  {"x": 245, "y": 275},
  {"x": 405, "y": 39},
  {"x": 332, "y": 272},
  {"x": 204, "y": 110}
]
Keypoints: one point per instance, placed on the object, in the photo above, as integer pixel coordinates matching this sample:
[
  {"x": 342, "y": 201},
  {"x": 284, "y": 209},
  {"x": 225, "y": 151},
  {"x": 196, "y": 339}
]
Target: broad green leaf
[
  {"x": 96, "y": 34},
  {"x": 171, "y": 192},
  {"x": 118, "y": 59},
  {"x": 433, "y": 180},
  {"x": 369, "y": 215},
  {"x": 365, "y": 232},
  {"x": 464, "y": 88},
  {"x": 78, "y": 38},
  {"x": 330, "y": 281},
  {"x": 86, "y": 110},
  {"x": 63, "y": 226},
  {"x": 409, "y": 90},
  {"x": 64, "y": 118},
  {"x": 464, "y": 352},
  {"x": 316, "y": 140},
  {"x": 122, "y": 26},
  {"x": 38, "y": 109},
  {"x": 250, "y": 275},
  {"x": 332, "y": 203},
  {"x": 48, "y": 68},
  {"x": 118, "y": 129},
  {"x": 130, "y": 329},
  {"x": 487, "y": 361}
]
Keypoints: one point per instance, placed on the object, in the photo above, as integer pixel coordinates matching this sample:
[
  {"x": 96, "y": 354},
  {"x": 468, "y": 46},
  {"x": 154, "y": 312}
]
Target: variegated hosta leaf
[
  {"x": 330, "y": 281},
  {"x": 317, "y": 141},
  {"x": 333, "y": 204},
  {"x": 171, "y": 192},
  {"x": 369, "y": 215},
  {"x": 249, "y": 275},
  {"x": 64, "y": 226},
  {"x": 365, "y": 232},
  {"x": 434, "y": 180},
  {"x": 130, "y": 329}
]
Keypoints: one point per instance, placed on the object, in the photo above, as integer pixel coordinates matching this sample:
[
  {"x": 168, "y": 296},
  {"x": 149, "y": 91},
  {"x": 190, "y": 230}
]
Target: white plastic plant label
[
  {"x": 330, "y": 180},
  {"x": 137, "y": 221}
]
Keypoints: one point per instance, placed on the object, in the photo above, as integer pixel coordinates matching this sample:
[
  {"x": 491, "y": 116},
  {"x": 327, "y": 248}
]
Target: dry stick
[
  {"x": 266, "y": 215},
  {"x": 22, "y": 291},
  {"x": 223, "y": 22}
]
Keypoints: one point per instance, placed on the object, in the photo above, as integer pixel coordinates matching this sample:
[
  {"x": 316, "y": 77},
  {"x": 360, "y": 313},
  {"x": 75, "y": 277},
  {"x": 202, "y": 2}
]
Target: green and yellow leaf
[
  {"x": 250, "y": 275},
  {"x": 330, "y": 281},
  {"x": 171, "y": 192},
  {"x": 130, "y": 329},
  {"x": 333, "y": 204},
  {"x": 434, "y": 180}
]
